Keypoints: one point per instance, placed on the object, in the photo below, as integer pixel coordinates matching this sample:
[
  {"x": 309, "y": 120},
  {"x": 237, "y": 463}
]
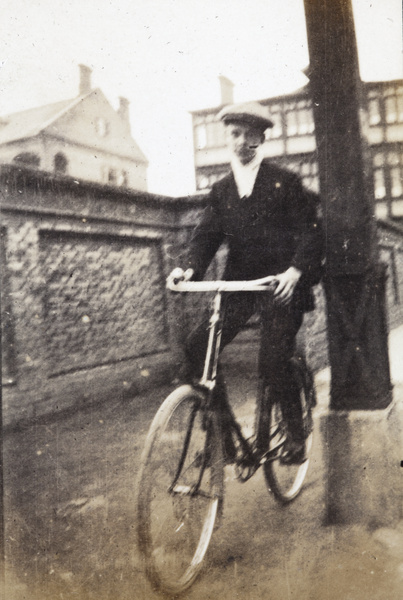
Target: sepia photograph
[{"x": 201, "y": 258}]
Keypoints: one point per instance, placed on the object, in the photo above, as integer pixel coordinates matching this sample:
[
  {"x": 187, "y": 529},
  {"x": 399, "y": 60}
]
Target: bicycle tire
[
  {"x": 286, "y": 480},
  {"x": 175, "y": 520}
]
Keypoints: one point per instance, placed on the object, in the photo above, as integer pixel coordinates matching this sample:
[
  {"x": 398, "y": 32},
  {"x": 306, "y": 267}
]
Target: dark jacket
[{"x": 275, "y": 228}]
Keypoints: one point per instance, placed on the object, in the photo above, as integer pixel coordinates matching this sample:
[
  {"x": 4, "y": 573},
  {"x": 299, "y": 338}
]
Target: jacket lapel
[{"x": 266, "y": 189}]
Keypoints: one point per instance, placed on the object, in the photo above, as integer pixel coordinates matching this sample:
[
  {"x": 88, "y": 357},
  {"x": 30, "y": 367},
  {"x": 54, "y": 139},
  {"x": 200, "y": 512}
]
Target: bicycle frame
[
  {"x": 264, "y": 284},
  {"x": 209, "y": 376}
]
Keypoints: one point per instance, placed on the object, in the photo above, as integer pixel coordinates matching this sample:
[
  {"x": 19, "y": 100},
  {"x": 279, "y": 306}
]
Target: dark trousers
[{"x": 280, "y": 325}]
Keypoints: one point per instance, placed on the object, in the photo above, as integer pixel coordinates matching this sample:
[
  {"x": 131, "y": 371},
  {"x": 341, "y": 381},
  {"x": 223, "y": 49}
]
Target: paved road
[{"x": 70, "y": 487}]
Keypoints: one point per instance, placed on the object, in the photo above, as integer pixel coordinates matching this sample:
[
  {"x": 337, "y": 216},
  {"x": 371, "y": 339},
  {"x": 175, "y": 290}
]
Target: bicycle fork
[
  {"x": 209, "y": 377},
  {"x": 208, "y": 382}
]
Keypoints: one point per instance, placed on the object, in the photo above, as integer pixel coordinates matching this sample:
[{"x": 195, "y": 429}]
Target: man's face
[{"x": 243, "y": 140}]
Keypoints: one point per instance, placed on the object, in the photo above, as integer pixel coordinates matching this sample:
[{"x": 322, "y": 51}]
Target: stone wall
[{"x": 85, "y": 313}]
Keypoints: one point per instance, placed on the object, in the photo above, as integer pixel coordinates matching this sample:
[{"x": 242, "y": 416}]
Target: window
[
  {"x": 396, "y": 182},
  {"x": 201, "y": 137},
  {"x": 379, "y": 160},
  {"x": 277, "y": 130},
  {"x": 394, "y": 104},
  {"x": 391, "y": 109},
  {"x": 379, "y": 183},
  {"x": 208, "y": 132},
  {"x": 123, "y": 179},
  {"x": 388, "y": 176},
  {"x": 60, "y": 163},
  {"x": 214, "y": 129},
  {"x": 310, "y": 175},
  {"x": 30, "y": 159},
  {"x": 395, "y": 174},
  {"x": 292, "y": 123},
  {"x": 112, "y": 178},
  {"x": 374, "y": 115},
  {"x": 101, "y": 127},
  {"x": 308, "y": 171},
  {"x": 305, "y": 121},
  {"x": 379, "y": 176},
  {"x": 299, "y": 119}
]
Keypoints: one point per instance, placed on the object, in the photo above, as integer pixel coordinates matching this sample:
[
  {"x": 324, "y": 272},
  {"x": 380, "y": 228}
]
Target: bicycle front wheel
[
  {"x": 286, "y": 480},
  {"x": 180, "y": 490}
]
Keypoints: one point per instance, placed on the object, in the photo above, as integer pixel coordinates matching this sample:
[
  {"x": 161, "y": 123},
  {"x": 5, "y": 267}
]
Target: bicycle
[{"x": 181, "y": 480}]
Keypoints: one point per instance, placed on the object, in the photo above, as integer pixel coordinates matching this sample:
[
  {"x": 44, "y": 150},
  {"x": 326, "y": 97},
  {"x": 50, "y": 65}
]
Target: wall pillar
[{"x": 26, "y": 288}]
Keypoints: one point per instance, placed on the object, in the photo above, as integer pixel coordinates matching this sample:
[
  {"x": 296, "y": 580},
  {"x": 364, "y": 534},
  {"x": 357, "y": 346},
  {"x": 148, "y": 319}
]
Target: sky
[{"x": 165, "y": 56}]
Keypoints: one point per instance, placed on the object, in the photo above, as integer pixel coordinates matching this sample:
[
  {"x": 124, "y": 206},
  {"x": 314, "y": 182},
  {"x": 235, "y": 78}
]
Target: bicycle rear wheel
[
  {"x": 286, "y": 480},
  {"x": 180, "y": 490}
]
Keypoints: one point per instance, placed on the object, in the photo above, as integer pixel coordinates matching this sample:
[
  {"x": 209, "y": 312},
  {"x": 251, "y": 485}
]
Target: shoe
[{"x": 294, "y": 453}]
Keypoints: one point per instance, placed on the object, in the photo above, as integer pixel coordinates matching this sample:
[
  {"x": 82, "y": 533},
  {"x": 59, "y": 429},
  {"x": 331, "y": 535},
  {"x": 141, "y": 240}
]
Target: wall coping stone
[{"x": 17, "y": 175}]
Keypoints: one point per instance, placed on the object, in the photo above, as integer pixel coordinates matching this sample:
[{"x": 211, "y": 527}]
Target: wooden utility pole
[{"x": 355, "y": 280}]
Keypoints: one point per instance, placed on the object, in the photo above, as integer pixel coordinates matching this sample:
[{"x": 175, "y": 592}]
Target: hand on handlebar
[
  {"x": 287, "y": 282},
  {"x": 179, "y": 274}
]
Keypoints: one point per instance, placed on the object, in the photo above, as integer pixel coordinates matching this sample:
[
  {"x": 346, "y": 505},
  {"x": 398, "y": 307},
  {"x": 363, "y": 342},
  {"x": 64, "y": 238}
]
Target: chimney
[
  {"x": 227, "y": 90},
  {"x": 123, "y": 110},
  {"x": 85, "y": 80}
]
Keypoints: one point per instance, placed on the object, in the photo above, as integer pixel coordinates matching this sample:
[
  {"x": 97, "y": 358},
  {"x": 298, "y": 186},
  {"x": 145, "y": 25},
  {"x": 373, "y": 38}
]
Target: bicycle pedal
[
  {"x": 263, "y": 459},
  {"x": 246, "y": 467},
  {"x": 245, "y": 472}
]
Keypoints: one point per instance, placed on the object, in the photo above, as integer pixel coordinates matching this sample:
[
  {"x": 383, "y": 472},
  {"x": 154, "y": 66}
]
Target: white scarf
[{"x": 245, "y": 175}]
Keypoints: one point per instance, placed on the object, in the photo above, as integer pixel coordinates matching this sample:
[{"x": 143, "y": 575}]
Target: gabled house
[{"x": 83, "y": 138}]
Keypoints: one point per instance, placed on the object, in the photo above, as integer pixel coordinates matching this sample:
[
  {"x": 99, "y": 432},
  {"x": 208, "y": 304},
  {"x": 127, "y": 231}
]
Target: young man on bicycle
[{"x": 271, "y": 227}]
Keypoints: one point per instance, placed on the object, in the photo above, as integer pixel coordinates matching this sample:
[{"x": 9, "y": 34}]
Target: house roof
[
  {"x": 28, "y": 123},
  {"x": 32, "y": 122}
]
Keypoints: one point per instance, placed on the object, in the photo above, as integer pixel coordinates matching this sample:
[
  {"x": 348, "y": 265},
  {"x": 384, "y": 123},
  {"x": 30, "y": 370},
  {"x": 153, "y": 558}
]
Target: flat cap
[{"x": 252, "y": 113}]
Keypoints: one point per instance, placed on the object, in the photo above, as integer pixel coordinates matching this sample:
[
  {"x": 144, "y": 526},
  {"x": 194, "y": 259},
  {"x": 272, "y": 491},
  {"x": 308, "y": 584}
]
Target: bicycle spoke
[{"x": 181, "y": 484}]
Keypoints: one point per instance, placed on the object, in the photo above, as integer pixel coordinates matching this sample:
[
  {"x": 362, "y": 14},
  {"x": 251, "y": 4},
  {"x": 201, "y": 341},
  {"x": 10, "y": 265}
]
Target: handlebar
[{"x": 264, "y": 284}]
